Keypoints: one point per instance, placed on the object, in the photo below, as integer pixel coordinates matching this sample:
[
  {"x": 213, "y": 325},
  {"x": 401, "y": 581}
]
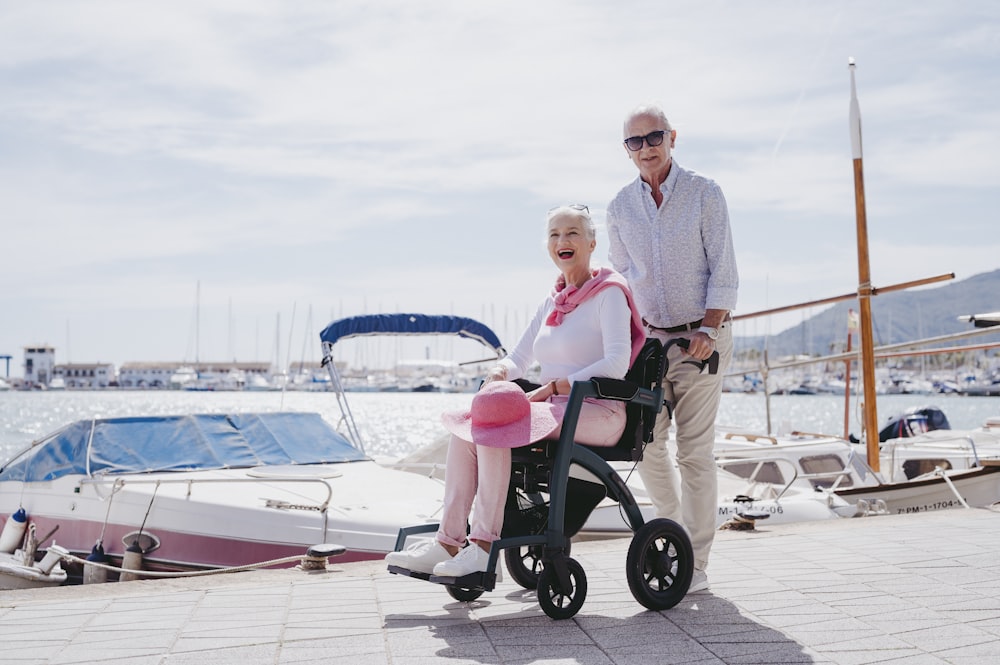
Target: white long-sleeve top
[{"x": 595, "y": 339}]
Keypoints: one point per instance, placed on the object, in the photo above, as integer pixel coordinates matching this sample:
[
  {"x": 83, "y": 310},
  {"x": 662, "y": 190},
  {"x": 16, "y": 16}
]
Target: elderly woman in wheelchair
[{"x": 587, "y": 329}]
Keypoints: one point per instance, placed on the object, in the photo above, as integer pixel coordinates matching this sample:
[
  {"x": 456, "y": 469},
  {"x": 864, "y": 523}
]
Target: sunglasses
[
  {"x": 653, "y": 139},
  {"x": 572, "y": 206}
]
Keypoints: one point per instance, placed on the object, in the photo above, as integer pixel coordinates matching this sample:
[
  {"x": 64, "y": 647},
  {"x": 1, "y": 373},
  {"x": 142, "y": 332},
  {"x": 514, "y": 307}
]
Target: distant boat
[
  {"x": 183, "y": 377},
  {"x": 256, "y": 382}
]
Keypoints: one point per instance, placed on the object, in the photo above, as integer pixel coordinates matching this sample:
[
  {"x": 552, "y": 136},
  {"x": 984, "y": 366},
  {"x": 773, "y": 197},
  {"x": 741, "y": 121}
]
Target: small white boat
[
  {"x": 18, "y": 568},
  {"x": 18, "y": 571},
  {"x": 938, "y": 490},
  {"x": 838, "y": 474}
]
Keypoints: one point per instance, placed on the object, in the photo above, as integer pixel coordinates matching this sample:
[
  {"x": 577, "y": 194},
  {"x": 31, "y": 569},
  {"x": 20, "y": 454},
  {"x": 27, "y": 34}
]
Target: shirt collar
[{"x": 667, "y": 185}]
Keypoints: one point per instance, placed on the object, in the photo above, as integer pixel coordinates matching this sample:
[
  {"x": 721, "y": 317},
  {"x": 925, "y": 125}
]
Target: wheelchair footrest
[
  {"x": 397, "y": 570},
  {"x": 478, "y": 580}
]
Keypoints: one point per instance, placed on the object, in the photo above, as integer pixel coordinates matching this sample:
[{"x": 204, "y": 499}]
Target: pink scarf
[{"x": 569, "y": 298}]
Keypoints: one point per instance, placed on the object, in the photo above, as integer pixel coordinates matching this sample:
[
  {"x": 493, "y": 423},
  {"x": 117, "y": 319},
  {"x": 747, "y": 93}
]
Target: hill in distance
[{"x": 899, "y": 316}]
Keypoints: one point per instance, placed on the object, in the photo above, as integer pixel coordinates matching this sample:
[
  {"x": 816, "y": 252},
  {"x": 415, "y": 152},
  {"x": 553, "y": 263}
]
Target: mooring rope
[{"x": 182, "y": 573}]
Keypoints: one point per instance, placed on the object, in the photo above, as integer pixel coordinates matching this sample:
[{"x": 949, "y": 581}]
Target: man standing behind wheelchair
[
  {"x": 588, "y": 327},
  {"x": 670, "y": 237}
]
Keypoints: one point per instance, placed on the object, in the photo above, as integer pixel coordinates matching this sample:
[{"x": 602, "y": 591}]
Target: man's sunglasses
[{"x": 653, "y": 139}]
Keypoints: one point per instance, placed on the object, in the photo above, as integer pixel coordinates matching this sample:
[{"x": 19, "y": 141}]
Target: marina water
[{"x": 393, "y": 424}]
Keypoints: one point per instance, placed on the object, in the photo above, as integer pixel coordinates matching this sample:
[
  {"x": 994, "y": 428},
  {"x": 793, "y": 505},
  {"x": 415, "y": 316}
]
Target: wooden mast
[{"x": 864, "y": 284}]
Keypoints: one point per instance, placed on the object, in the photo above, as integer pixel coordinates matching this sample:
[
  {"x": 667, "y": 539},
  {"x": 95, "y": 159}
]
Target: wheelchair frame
[{"x": 660, "y": 561}]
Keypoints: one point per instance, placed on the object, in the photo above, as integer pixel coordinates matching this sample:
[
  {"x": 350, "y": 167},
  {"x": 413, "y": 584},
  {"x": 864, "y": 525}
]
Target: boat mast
[
  {"x": 197, "y": 327},
  {"x": 864, "y": 284}
]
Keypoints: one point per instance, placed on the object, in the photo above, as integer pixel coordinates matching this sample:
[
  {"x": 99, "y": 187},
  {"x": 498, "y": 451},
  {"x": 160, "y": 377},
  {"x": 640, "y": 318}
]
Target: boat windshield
[{"x": 181, "y": 443}]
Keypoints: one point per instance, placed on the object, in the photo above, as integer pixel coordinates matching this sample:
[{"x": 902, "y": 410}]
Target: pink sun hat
[{"x": 502, "y": 416}]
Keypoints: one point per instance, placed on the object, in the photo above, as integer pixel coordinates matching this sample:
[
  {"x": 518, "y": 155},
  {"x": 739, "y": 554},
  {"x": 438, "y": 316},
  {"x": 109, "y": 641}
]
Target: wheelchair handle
[{"x": 712, "y": 362}]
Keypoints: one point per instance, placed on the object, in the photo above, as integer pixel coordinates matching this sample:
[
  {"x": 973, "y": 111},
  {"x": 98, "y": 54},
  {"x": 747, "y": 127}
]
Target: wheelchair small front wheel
[
  {"x": 660, "y": 564},
  {"x": 463, "y": 595},
  {"x": 562, "y": 603}
]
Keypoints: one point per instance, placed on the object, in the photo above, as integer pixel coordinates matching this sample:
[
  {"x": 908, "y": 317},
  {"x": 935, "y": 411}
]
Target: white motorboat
[
  {"x": 837, "y": 471},
  {"x": 906, "y": 458},
  {"x": 212, "y": 491},
  {"x": 808, "y": 477}
]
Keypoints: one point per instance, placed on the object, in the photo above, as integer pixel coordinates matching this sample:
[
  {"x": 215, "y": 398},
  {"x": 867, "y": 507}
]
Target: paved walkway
[{"x": 906, "y": 590}]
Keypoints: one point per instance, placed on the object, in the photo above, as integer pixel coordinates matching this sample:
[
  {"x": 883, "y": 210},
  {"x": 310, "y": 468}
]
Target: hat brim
[{"x": 527, "y": 430}]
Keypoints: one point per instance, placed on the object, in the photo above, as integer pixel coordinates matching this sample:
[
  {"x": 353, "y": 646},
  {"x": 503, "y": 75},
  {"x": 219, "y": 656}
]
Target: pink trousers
[{"x": 481, "y": 474}]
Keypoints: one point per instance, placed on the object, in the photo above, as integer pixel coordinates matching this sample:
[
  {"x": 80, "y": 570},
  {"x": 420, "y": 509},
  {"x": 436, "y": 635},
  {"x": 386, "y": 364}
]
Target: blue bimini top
[
  {"x": 181, "y": 443},
  {"x": 411, "y": 324}
]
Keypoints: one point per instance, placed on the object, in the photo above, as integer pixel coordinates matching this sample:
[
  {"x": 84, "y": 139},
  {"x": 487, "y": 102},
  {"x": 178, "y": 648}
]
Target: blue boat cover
[
  {"x": 411, "y": 324},
  {"x": 181, "y": 443}
]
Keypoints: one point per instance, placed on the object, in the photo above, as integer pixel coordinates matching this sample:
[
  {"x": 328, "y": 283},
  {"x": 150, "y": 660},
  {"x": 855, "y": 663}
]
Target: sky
[{"x": 217, "y": 180}]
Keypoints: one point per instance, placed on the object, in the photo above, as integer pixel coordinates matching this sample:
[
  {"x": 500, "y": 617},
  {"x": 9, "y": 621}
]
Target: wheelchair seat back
[{"x": 646, "y": 372}]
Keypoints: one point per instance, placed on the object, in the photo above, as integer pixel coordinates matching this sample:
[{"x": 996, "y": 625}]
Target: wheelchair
[{"x": 537, "y": 530}]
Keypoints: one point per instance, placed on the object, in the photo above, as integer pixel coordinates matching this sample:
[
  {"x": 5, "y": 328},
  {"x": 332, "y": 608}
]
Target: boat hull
[
  {"x": 978, "y": 487},
  {"x": 226, "y": 518}
]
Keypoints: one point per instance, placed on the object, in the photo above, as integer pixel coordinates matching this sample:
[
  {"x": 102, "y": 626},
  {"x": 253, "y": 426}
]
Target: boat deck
[{"x": 921, "y": 588}]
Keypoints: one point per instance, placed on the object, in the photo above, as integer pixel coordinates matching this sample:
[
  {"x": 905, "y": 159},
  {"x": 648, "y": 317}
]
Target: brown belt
[{"x": 684, "y": 327}]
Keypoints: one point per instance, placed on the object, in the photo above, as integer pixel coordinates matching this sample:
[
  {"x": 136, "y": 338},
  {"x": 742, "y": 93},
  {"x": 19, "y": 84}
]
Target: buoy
[
  {"x": 131, "y": 560},
  {"x": 13, "y": 531},
  {"x": 95, "y": 574}
]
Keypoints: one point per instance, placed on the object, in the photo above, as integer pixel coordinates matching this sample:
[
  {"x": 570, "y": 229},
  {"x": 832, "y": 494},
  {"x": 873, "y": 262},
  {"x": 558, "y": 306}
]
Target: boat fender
[
  {"x": 96, "y": 574},
  {"x": 131, "y": 560},
  {"x": 13, "y": 531}
]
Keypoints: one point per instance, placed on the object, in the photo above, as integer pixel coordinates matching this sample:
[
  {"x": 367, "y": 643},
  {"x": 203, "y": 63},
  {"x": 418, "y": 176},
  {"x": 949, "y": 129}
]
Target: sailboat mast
[
  {"x": 864, "y": 284},
  {"x": 197, "y": 325}
]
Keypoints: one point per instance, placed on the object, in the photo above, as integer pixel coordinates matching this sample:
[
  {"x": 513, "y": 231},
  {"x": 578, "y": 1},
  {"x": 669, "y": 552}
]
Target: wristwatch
[{"x": 713, "y": 333}]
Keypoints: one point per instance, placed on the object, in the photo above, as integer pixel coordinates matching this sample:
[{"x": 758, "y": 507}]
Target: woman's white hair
[{"x": 575, "y": 210}]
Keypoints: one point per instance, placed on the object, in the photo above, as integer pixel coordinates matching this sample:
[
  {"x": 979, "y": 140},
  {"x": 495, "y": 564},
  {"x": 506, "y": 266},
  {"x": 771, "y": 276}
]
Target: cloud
[{"x": 403, "y": 154}]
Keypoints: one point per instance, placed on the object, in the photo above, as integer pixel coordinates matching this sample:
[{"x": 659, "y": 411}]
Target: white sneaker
[
  {"x": 420, "y": 557},
  {"x": 699, "y": 581},
  {"x": 471, "y": 559}
]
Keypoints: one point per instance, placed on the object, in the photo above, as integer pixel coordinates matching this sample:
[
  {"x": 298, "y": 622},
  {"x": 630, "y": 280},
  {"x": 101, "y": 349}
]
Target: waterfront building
[
  {"x": 85, "y": 375},
  {"x": 213, "y": 376},
  {"x": 39, "y": 362}
]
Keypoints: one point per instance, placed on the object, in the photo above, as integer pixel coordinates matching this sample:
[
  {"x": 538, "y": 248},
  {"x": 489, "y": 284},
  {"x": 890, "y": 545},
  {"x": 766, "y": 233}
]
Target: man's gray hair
[{"x": 647, "y": 109}]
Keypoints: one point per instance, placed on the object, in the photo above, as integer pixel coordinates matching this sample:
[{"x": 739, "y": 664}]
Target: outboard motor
[{"x": 915, "y": 420}]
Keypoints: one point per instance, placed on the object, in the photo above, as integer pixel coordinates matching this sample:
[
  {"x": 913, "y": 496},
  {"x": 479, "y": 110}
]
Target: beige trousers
[{"x": 692, "y": 498}]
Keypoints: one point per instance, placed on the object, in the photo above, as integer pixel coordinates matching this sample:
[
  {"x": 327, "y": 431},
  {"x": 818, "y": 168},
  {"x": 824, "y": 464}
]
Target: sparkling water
[{"x": 393, "y": 424}]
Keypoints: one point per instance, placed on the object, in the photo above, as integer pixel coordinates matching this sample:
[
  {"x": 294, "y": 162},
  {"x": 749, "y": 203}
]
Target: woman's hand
[
  {"x": 498, "y": 373},
  {"x": 544, "y": 392}
]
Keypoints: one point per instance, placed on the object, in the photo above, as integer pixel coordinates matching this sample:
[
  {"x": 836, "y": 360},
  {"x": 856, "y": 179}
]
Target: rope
[{"x": 182, "y": 573}]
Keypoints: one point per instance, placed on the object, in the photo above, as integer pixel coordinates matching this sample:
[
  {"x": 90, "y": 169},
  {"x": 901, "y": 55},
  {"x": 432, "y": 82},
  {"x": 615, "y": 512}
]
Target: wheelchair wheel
[
  {"x": 525, "y": 563},
  {"x": 555, "y": 603},
  {"x": 660, "y": 564},
  {"x": 463, "y": 595}
]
